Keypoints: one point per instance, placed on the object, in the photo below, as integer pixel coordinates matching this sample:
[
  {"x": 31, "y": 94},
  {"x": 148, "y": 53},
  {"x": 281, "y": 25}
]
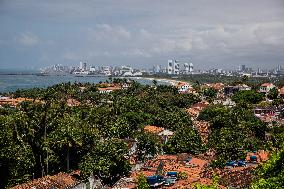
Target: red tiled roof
[
  {"x": 266, "y": 84},
  {"x": 180, "y": 84},
  {"x": 59, "y": 181},
  {"x": 153, "y": 129},
  {"x": 109, "y": 88},
  {"x": 281, "y": 91}
]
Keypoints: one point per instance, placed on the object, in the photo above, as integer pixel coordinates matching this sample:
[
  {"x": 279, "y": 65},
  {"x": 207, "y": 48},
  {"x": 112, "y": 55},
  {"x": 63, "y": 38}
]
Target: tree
[
  {"x": 148, "y": 144},
  {"x": 273, "y": 93},
  {"x": 106, "y": 160},
  {"x": 270, "y": 175},
  {"x": 142, "y": 182},
  {"x": 185, "y": 140},
  {"x": 214, "y": 185},
  {"x": 249, "y": 96},
  {"x": 210, "y": 93},
  {"x": 233, "y": 130},
  {"x": 16, "y": 157}
]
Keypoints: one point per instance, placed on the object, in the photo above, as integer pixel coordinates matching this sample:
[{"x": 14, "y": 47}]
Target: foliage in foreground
[
  {"x": 45, "y": 136},
  {"x": 270, "y": 175},
  {"x": 142, "y": 182}
]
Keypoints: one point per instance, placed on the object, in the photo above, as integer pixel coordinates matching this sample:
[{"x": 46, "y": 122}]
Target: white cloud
[
  {"x": 209, "y": 32},
  {"x": 109, "y": 33},
  {"x": 28, "y": 39}
]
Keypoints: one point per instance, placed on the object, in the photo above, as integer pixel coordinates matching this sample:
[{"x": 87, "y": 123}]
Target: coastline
[{"x": 163, "y": 80}]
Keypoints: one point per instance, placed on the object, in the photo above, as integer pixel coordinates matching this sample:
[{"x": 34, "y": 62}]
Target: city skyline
[{"x": 219, "y": 34}]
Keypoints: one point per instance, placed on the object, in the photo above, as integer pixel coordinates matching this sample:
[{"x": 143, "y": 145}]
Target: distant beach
[{"x": 12, "y": 81}]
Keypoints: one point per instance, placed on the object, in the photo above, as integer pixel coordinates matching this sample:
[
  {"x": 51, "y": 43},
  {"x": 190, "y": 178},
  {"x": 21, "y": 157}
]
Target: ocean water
[{"x": 11, "y": 81}]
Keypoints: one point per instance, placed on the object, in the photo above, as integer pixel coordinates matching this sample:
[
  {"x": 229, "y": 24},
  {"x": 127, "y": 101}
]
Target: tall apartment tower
[
  {"x": 85, "y": 66},
  {"x": 190, "y": 67},
  {"x": 173, "y": 67}
]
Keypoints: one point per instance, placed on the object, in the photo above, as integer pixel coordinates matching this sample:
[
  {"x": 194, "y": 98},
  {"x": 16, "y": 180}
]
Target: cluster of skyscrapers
[
  {"x": 176, "y": 67},
  {"x": 173, "y": 67}
]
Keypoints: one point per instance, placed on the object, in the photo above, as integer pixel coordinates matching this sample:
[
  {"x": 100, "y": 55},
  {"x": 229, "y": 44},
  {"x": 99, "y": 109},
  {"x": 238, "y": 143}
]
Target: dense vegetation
[
  {"x": 233, "y": 131},
  {"x": 47, "y": 136},
  {"x": 271, "y": 174}
]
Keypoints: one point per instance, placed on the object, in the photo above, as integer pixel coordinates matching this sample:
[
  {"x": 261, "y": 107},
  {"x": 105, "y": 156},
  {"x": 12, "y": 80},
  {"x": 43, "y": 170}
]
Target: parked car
[
  {"x": 253, "y": 158},
  {"x": 155, "y": 181},
  {"x": 172, "y": 174},
  {"x": 231, "y": 163},
  {"x": 242, "y": 163},
  {"x": 169, "y": 181}
]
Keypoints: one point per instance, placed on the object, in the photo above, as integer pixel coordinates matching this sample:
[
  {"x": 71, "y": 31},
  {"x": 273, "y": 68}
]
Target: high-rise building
[
  {"x": 84, "y": 66},
  {"x": 173, "y": 67},
  {"x": 190, "y": 67},
  {"x": 177, "y": 67},
  {"x": 170, "y": 66},
  {"x": 186, "y": 68},
  {"x": 92, "y": 68}
]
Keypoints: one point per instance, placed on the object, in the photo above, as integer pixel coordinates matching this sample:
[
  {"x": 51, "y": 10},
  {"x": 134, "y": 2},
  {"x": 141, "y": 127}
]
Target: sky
[{"x": 142, "y": 33}]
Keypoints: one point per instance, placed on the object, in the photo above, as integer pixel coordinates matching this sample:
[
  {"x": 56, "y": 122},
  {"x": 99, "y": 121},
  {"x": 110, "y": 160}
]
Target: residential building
[
  {"x": 173, "y": 67},
  {"x": 108, "y": 89},
  {"x": 270, "y": 111},
  {"x": 183, "y": 87},
  {"x": 164, "y": 134},
  {"x": 281, "y": 92},
  {"x": 196, "y": 108},
  {"x": 176, "y": 67},
  {"x": 186, "y": 68},
  {"x": 266, "y": 87},
  {"x": 124, "y": 69}
]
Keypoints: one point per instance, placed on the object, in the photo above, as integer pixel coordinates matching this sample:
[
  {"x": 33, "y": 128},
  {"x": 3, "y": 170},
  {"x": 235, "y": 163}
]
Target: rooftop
[
  {"x": 59, "y": 181},
  {"x": 266, "y": 84},
  {"x": 153, "y": 129}
]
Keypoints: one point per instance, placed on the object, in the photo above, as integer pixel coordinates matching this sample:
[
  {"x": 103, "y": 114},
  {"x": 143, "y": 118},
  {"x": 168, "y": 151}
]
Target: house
[
  {"x": 244, "y": 87},
  {"x": 164, "y": 134},
  {"x": 58, "y": 181},
  {"x": 266, "y": 87},
  {"x": 230, "y": 90},
  {"x": 269, "y": 111},
  {"x": 217, "y": 86},
  {"x": 227, "y": 102},
  {"x": 12, "y": 101},
  {"x": 62, "y": 181},
  {"x": 108, "y": 89},
  {"x": 183, "y": 87},
  {"x": 264, "y": 111},
  {"x": 281, "y": 92},
  {"x": 153, "y": 129},
  {"x": 196, "y": 108}
]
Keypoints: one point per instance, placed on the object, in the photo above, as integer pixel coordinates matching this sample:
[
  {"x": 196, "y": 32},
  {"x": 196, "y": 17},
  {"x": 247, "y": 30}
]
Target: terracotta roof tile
[
  {"x": 153, "y": 129},
  {"x": 266, "y": 84},
  {"x": 59, "y": 181}
]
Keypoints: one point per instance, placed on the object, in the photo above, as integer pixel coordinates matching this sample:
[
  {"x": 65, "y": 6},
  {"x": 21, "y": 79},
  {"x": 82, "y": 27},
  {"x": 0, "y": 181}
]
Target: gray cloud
[
  {"x": 224, "y": 33},
  {"x": 28, "y": 39}
]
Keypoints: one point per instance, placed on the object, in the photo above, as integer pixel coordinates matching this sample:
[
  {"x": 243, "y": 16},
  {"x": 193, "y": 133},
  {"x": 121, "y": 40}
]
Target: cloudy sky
[{"x": 141, "y": 33}]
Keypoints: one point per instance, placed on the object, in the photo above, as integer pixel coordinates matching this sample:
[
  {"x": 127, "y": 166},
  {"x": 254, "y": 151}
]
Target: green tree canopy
[{"x": 247, "y": 96}]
